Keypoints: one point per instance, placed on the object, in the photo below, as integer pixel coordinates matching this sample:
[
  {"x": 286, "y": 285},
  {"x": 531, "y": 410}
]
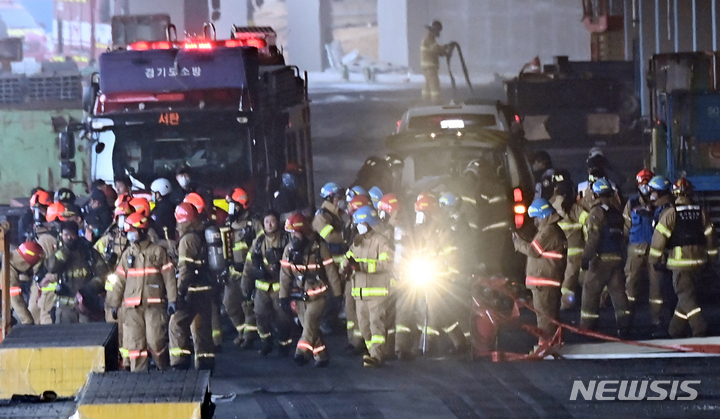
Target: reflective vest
[
  {"x": 641, "y": 219},
  {"x": 689, "y": 230},
  {"x": 611, "y": 236}
]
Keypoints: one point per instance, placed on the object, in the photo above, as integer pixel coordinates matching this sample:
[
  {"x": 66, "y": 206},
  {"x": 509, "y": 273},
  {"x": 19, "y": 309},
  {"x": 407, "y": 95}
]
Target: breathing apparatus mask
[
  {"x": 362, "y": 228},
  {"x": 644, "y": 189}
]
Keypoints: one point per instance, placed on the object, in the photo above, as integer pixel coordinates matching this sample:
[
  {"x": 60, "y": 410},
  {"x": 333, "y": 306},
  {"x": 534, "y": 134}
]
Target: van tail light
[{"x": 519, "y": 208}]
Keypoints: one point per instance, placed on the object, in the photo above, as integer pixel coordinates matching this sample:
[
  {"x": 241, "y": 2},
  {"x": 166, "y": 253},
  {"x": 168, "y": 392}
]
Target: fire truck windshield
[{"x": 220, "y": 159}]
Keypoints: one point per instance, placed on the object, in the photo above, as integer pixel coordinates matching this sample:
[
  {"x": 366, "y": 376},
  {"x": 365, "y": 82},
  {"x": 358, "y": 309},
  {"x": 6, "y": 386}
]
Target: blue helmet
[
  {"x": 366, "y": 215},
  {"x": 602, "y": 187},
  {"x": 376, "y": 195},
  {"x": 448, "y": 199},
  {"x": 540, "y": 208},
  {"x": 330, "y": 189},
  {"x": 355, "y": 190},
  {"x": 660, "y": 183}
]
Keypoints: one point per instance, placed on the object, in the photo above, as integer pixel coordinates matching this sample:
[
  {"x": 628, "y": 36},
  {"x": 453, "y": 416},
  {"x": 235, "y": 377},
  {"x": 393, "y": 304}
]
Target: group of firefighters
[{"x": 660, "y": 230}]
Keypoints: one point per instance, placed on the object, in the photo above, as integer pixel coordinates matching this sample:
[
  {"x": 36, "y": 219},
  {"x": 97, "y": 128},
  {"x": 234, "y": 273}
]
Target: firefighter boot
[{"x": 267, "y": 346}]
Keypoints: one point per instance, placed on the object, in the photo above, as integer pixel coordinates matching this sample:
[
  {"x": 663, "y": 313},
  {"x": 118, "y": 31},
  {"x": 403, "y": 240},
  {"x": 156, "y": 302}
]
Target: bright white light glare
[
  {"x": 452, "y": 124},
  {"x": 421, "y": 272}
]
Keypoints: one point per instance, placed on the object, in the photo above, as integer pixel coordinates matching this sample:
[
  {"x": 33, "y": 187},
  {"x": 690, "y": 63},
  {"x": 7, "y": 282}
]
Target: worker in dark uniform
[
  {"x": 602, "y": 259},
  {"x": 686, "y": 233},
  {"x": 164, "y": 208},
  {"x": 430, "y": 53}
]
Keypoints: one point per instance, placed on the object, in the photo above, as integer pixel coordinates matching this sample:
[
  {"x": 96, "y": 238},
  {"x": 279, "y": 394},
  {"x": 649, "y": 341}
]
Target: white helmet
[{"x": 161, "y": 186}]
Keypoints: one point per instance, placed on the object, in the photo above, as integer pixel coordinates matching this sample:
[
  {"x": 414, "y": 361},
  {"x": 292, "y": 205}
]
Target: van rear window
[{"x": 451, "y": 121}]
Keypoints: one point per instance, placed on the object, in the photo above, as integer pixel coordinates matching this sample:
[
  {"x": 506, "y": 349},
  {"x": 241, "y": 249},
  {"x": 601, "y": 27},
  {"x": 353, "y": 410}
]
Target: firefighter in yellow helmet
[
  {"x": 144, "y": 285},
  {"x": 685, "y": 232},
  {"x": 194, "y": 295},
  {"x": 307, "y": 275},
  {"x": 430, "y": 53}
]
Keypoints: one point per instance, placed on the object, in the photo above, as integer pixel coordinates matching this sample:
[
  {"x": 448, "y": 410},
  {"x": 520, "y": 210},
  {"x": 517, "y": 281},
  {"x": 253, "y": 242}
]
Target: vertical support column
[
  {"x": 309, "y": 29},
  {"x": 714, "y": 25},
  {"x": 5, "y": 279},
  {"x": 676, "y": 30},
  {"x": 694, "y": 24}
]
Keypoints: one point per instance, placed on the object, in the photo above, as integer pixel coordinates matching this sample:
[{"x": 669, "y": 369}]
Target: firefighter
[
  {"x": 81, "y": 272},
  {"x": 47, "y": 237},
  {"x": 142, "y": 206},
  {"x": 430, "y": 53},
  {"x": 145, "y": 286},
  {"x": 22, "y": 262},
  {"x": 261, "y": 284},
  {"x": 543, "y": 171},
  {"x": 240, "y": 309},
  {"x": 163, "y": 213},
  {"x": 98, "y": 215},
  {"x": 545, "y": 268},
  {"x": 602, "y": 259},
  {"x": 430, "y": 241},
  {"x": 686, "y": 233},
  {"x": 370, "y": 261},
  {"x": 307, "y": 275},
  {"x": 573, "y": 218},
  {"x": 194, "y": 295},
  {"x": 287, "y": 199},
  {"x": 638, "y": 215},
  {"x": 44, "y": 233}
]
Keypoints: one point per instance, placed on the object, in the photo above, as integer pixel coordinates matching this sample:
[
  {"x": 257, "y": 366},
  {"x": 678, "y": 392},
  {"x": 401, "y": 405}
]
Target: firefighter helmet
[
  {"x": 602, "y": 187},
  {"x": 65, "y": 196},
  {"x": 425, "y": 202},
  {"x": 682, "y": 187},
  {"x": 366, "y": 215},
  {"x": 660, "y": 184},
  {"x": 31, "y": 252},
  {"x": 161, "y": 186},
  {"x": 186, "y": 213},
  {"x": 376, "y": 195},
  {"x": 40, "y": 199},
  {"x": 355, "y": 190},
  {"x": 358, "y": 202},
  {"x": 197, "y": 201},
  {"x": 240, "y": 196},
  {"x": 388, "y": 205},
  {"x": 435, "y": 27},
  {"x": 330, "y": 190},
  {"x": 55, "y": 212},
  {"x": 296, "y": 222},
  {"x": 141, "y": 205},
  {"x": 448, "y": 199},
  {"x": 644, "y": 176},
  {"x": 219, "y": 216},
  {"x": 540, "y": 208},
  {"x": 136, "y": 220}
]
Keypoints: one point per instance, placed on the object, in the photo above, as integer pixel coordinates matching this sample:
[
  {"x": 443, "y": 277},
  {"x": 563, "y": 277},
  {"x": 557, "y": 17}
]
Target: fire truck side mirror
[
  {"x": 67, "y": 170},
  {"x": 67, "y": 145}
]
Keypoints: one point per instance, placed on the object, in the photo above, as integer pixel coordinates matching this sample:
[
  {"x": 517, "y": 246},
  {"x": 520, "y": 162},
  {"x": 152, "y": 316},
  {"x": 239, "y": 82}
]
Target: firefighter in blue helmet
[
  {"x": 602, "y": 259},
  {"x": 545, "y": 269}
]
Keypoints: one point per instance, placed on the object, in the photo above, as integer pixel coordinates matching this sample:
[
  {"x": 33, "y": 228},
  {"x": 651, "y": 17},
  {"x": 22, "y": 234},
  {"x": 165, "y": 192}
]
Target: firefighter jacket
[
  {"x": 77, "y": 268},
  {"x": 111, "y": 245},
  {"x": 638, "y": 229},
  {"x": 329, "y": 224},
  {"x": 686, "y": 232},
  {"x": 373, "y": 254},
  {"x": 262, "y": 266},
  {"x": 547, "y": 254},
  {"x": 47, "y": 239},
  {"x": 145, "y": 275},
  {"x": 311, "y": 271},
  {"x": 193, "y": 274},
  {"x": 18, "y": 267},
  {"x": 572, "y": 223},
  {"x": 605, "y": 231},
  {"x": 244, "y": 231},
  {"x": 430, "y": 52}
]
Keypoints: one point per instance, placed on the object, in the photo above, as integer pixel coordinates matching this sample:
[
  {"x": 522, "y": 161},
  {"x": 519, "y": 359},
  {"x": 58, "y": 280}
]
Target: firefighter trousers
[
  {"x": 448, "y": 312},
  {"x": 572, "y": 275},
  {"x": 637, "y": 270},
  {"x": 47, "y": 305},
  {"x": 311, "y": 342},
  {"x": 196, "y": 319},
  {"x": 390, "y": 316},
  {"x": 546, "y": 300},
  {"x": 687, "y": 310},
  {"x": 372, "y": 324},
  {"x": 406, "y": 320},
  {"x": 119, "y": 321},
  {"x": 145, "y": 333},
  {"x": 241, "y": 313},
  {"x": 354, "y": 335},
  {"x": 431, "y": 91},
  {"x": 22, "y": 313},
  {"x": 604, "y": 273},
  {"x": 271, "y": 319},
  {"x": 68, "y": 314},
  {"x": 33, "y": 303}
]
